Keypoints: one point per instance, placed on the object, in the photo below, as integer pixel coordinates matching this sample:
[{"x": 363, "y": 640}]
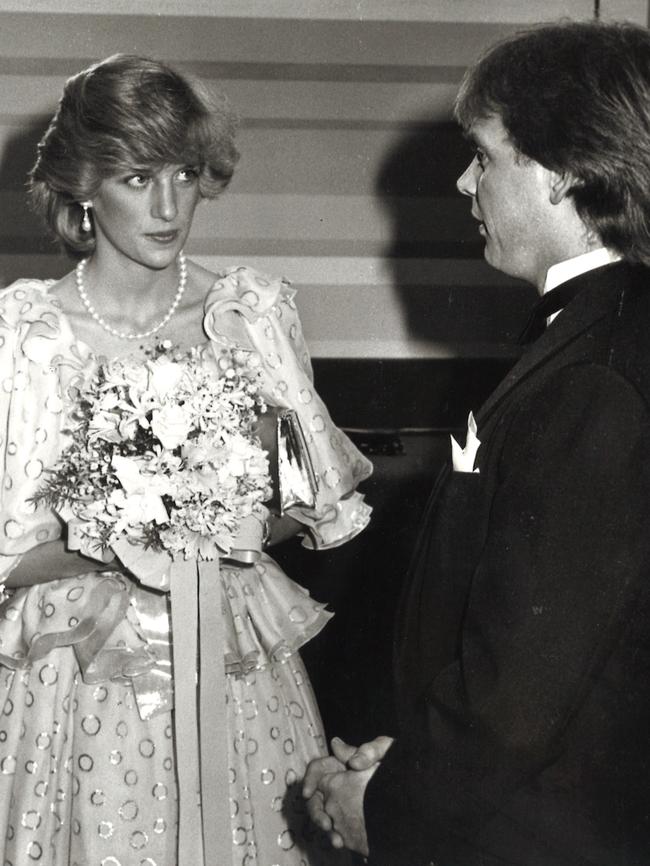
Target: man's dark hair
[{"x": 575, "y": 97}]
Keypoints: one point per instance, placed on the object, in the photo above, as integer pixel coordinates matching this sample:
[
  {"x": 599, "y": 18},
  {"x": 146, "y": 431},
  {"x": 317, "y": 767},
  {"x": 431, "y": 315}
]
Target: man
[{"x": 523, "y": 641}]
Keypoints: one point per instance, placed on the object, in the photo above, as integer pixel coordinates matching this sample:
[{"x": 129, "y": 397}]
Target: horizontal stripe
[
  {"x": 257, "y": 40},
  {"x": 363, "y": 101},
  {"x": 410, "y": 349},
  {"x": 413, "y": 10},
  {"x": 357, "y": 271},
  {"x": 317, "y": 271},
  {"x": 636, "y": 11},
  {"x": 408, "y": 223},
  {"x": 245, "y": 247},
  {"x": 395, "y": 251},
  {"x": 329, "y": 124},
  {"x": 388, "y": 321},
  {"x": 238, "y": 70},
  {"x": 347, "y": 218},
  {"x": 396, "y": 162},
  {"x": 294, "y": 104},
  {"x": 278, "y": 122},
  {"x": 328, "y": 71}
]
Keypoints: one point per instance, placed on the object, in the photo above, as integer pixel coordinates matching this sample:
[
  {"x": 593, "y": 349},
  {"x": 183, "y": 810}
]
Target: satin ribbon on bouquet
[
  {"x": 200, "y": 722},
  {"x": 201, "y": 725},
  {"x": 204, "y": 831}
]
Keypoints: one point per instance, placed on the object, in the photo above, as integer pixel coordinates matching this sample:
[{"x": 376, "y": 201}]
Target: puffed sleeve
[
  {"x": 39, "y": 361},
  {"x": 257, "y": 313}
]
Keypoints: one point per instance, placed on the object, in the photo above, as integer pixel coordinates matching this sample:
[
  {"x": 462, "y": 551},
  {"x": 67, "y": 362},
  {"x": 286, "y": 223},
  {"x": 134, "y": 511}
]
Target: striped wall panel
[{"x": 349, "y": 154}]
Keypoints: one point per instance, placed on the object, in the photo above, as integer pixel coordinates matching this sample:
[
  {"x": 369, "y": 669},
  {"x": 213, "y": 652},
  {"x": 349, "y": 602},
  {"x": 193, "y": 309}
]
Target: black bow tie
[{"x": 549, "y": 303}]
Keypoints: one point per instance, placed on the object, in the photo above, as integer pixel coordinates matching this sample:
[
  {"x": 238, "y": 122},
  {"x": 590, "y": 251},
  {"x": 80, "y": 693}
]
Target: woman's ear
[{"x": 561, "y": 186}]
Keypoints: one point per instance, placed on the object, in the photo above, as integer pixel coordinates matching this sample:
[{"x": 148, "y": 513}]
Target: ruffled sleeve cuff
[{"x": 341, "y": 522}]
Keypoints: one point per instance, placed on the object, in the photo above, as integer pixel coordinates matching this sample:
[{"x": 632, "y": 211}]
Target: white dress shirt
[{"x": 564, "y": 271}]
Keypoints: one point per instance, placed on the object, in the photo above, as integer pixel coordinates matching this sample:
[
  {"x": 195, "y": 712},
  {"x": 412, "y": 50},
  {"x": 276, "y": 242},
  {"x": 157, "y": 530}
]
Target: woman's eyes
[
  {"x": 187, "y": 174},
  {"x": 480, "y": 157},
  {"x": 137, "y": 181},
  {"x": 140, "y": 180}
]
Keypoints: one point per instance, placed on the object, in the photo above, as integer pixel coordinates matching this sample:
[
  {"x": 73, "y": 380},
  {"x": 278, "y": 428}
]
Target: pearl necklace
[{"x": 182, "y": 270}]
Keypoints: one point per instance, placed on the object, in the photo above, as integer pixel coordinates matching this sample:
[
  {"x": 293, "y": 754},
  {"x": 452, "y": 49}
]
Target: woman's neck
[
  {"x": 129, "y": 296},
  {"x": 153, "y": 297}
]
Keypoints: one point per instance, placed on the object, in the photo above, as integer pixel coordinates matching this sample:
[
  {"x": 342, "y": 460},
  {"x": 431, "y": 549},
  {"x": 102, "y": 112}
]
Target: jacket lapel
[{"x": 595, "y": 298}]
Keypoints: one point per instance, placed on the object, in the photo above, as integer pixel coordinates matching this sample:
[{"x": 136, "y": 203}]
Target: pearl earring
[{"x": 86, "y": 225}]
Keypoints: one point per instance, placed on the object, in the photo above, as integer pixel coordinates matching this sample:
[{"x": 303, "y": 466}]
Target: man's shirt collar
[{"x": 567, "y": 270}]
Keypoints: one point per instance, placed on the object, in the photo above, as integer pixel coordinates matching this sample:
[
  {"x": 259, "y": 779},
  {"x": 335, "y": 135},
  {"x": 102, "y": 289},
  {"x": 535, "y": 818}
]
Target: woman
[{"x": 87, "y": 763}]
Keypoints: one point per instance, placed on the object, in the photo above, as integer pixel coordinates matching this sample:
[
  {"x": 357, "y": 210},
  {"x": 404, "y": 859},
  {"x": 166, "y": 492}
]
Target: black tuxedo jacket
[{"x": 523, "y": 642}]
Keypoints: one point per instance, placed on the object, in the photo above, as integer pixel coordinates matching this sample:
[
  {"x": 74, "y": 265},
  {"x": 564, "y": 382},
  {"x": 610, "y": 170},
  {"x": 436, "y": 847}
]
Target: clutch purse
[{"x": 292, "y": 472}]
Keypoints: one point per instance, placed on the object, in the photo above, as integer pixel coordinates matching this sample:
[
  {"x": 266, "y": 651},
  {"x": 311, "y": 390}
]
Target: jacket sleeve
[{"x": 564, "y": 560}]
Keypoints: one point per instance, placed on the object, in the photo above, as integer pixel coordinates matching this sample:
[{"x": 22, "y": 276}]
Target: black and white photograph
[{"x": 324, "y": 433}]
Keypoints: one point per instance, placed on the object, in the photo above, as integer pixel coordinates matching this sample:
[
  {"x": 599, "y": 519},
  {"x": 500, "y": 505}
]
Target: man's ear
[{"x": 561, "y": 186}]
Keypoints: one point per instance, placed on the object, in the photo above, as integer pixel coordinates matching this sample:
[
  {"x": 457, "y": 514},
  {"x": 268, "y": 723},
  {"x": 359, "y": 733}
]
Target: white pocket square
[{"x": 463, "y": 458}]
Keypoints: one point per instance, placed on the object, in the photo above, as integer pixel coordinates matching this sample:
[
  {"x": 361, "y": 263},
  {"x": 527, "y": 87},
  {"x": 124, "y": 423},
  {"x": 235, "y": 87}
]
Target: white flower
[
  {"x": 171, "y": 425},
  {"x": 200, "y": 451},
  {"x": 165, "y": 376},
  {"x": 239, "y": 453},
  {"x": 127, "y": 427},
  {"x": 125, "y": 373},
  {"x": 140, "y": 499},
  {"x": 137, "y": 508},
  {"x": 104, "y": 425}
]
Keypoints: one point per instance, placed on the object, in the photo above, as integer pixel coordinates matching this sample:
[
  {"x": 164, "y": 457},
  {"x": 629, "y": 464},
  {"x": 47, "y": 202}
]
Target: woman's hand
[
  {"x": 52, "y": 561},
  {"x": 281, "y": 528}
]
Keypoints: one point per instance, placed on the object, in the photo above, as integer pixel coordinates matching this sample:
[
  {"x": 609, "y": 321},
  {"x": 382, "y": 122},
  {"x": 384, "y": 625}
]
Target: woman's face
[{"x": 146, "y": 215}]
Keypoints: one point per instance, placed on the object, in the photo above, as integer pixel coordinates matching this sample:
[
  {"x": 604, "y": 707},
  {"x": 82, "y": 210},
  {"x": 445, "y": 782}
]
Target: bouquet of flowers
[{"x": 163, "y": 454}]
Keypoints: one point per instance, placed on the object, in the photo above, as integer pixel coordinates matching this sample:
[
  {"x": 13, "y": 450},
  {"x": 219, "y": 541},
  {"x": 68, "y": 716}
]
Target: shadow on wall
[
  {"x": 433, "y": 235},
  {"x": 25, "y": 247}
]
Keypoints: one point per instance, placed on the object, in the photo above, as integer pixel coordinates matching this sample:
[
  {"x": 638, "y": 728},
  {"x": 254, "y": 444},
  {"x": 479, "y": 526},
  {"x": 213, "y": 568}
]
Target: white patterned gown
[{"x": 87, "y": 758}]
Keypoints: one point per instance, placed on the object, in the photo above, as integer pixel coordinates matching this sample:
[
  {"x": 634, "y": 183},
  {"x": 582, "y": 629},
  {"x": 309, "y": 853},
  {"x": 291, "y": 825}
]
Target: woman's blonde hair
[{"x": 127, "y": 112}]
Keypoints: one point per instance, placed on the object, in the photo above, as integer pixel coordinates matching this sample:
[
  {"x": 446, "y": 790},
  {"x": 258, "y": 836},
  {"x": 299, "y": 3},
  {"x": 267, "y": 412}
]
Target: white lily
[
  {"x": 140, "y": 499},
  {"x": 171, "y": 425}
]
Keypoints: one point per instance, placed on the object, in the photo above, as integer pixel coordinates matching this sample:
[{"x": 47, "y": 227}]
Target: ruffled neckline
[{"x": 238, "y": 289}]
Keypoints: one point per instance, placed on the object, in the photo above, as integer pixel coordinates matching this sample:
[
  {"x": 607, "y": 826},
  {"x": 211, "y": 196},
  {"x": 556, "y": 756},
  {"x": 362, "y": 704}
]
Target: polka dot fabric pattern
[
  {"x": 83, "y": 779},
  {"x": 86, "y": 778},
  {"x": 85, "y": 782},
  {"x": 276, "y": 727},
  {"x": 40, "y": 364}
]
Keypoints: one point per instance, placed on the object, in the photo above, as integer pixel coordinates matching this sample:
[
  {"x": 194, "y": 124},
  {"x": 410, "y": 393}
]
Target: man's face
[{"x": 511, "y": 199}]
